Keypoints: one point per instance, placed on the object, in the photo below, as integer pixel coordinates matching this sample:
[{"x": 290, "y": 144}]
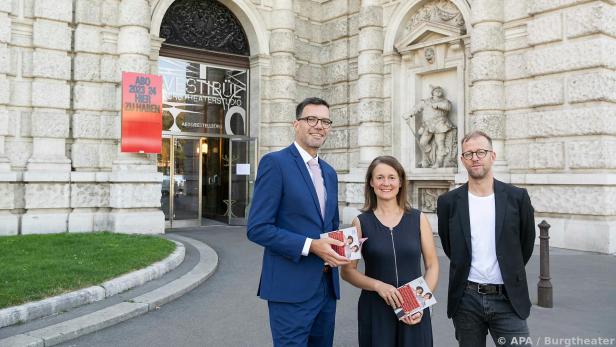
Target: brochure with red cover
[
  {"x": 352, "y": 244},
  {"x": 416, "y": 296}
]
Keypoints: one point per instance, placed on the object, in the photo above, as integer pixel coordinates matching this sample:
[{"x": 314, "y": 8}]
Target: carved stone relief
[
  {"x": 438, "y": 11},
  {"x": 429, "y": 55},
  {"x": 205, "y": 24},
  {"x": 436, "y": 134},
  {"x": 428, "y": 197}
]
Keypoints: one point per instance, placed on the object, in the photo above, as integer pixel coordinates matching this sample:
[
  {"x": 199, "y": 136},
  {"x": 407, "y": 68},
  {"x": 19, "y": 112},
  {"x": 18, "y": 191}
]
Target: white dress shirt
[{"x": 306, "y": 157}]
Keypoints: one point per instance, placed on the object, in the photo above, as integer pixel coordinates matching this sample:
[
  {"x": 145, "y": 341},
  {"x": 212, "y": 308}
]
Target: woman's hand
[
  {"x": 390, "y": 294},
  {"x": 412, "y": 319}
]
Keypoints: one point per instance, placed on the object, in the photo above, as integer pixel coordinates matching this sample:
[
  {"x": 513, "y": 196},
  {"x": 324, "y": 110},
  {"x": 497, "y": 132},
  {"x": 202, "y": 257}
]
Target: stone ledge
[
  {"x": 71, "y": 329},
  {"x": 22, "y": 341},
  {"x": 46, "y": 307},
  {"x": 44, "y": 177},
  {"x": 207, "y": 265},
  {"x": 89, "y": 176},
  {"x": 9, "y": 223},
  {"x": 11, "y": 176},
  {"x": 135, "y": 177},
  {"x": 139, "y": 277}
]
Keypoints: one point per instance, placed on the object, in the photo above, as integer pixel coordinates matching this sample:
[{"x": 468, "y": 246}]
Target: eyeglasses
[
  {"x": 312, "y": 121},
  {"x": 481, "y": 153}
]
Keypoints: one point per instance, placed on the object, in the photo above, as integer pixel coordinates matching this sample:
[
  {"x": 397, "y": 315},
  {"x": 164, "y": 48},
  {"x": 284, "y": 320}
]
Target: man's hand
[{"x": 323, "y": 249}]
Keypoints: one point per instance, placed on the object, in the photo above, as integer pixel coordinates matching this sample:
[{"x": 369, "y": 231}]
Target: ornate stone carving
[
  {"x": 428, "y": 197},
  {"x": 436, "y": 134},
  {"x": 429, "y": 55},
  {"x": 438, "y": 11},
  {"x": 204, "y": 24}
]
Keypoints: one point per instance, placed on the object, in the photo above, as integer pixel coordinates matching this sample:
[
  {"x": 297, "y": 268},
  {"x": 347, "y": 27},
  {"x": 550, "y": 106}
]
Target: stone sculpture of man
[{"x": 434, "y": 128}]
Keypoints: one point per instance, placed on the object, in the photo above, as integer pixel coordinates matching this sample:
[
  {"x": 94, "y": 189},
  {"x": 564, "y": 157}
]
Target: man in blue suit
[{"x": 295, "y": 200}]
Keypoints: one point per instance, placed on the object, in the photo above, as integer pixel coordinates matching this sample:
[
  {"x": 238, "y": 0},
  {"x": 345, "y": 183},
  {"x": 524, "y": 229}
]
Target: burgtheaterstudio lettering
[{"x": 227, "y": 93}]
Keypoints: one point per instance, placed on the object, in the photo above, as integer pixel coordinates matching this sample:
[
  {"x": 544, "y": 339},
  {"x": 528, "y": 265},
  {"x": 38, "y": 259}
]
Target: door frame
[
  {"x": 181, "y": 223},
  {"x": 252, "y": 155}
]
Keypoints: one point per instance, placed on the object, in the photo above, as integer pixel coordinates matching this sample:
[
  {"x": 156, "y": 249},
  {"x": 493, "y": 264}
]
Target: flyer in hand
[
  {"x": 352, "y": 244},
  {"x": 417, "y": 296}
]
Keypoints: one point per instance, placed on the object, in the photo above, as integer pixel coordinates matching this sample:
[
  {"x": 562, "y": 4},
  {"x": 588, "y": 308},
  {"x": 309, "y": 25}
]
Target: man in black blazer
[{"x": 487, "y": 229}]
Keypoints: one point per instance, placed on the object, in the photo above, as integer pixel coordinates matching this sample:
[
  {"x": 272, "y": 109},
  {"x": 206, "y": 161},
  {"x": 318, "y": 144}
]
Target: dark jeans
[{"x": 478, "y": 314}]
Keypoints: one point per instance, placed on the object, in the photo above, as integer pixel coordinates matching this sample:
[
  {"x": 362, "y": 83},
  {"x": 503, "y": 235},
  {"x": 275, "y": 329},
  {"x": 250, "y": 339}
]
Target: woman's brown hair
[{"x": 370, "y": 196}]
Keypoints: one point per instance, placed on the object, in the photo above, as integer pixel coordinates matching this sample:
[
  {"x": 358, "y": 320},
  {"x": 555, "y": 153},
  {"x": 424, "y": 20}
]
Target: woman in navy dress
[{"x": 398, "y": 236}]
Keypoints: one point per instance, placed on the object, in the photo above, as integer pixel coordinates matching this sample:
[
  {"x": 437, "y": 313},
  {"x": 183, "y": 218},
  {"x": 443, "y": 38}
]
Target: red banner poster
[{"x": 142, "y": 121}]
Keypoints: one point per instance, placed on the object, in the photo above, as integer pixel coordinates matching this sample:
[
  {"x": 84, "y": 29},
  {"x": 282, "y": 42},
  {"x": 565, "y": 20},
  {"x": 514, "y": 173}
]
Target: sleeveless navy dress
[{"x": 392, "y": 256}]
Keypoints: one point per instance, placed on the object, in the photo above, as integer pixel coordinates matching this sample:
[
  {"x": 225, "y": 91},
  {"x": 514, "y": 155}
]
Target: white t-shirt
[{"x": 484, "y": 265}]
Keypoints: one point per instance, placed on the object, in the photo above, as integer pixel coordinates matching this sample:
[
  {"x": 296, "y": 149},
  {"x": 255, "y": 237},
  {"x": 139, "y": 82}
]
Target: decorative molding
[
  {"x": 204, "y": 24},
  {"x": 428, "y": 34},
  {"x": 438, "y": 11}
]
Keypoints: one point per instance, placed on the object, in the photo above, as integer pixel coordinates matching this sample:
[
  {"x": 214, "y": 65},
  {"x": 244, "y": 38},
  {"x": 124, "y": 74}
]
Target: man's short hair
[
  {"x": 308, "y": 101},
  {"x": 476, "y": 134}
]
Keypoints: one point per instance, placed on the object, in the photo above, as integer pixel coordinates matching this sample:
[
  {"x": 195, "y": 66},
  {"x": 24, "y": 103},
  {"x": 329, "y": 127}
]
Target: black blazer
[{"x": 515, "y": 239}]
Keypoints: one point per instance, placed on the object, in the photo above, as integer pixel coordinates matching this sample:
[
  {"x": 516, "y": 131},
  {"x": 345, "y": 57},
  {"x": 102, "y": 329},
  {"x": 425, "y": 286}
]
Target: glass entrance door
[
  {"x": 186, "y": 187},
  {"x": 241, "y": 179},
  {"x": 215, "y": 177},
  {"x": 179, "y": 162},
  {"x": 164, "y": 167},
  {"x": 206, "y": 178}
]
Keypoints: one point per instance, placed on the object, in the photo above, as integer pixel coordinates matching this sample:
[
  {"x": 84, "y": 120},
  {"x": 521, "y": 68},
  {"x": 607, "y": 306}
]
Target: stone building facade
[{"x": 537, "y": 75}]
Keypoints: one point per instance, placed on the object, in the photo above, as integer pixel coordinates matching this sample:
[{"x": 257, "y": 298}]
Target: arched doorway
[{"x": 207, "y": 152}]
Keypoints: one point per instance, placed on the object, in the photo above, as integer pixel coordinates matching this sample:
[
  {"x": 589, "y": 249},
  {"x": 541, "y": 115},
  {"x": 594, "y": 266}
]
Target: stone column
[
  {"x": 487, "y": 75},
  {"x": 48, "y": 170},
  {"x": 9, "y": 222},
  {"x": 392, "y": 110},
  {"x": 260, "y": 65},
  {"x": 135, "y": 185},
  {"x": 277, "y": 131},
  {"x": 370, "y": 82},
  {"x": 94, "y": 117},
  {"x": 5, "y": 36}
]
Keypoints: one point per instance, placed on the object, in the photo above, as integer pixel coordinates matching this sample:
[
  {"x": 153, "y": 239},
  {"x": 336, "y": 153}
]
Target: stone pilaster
[
  {"x": 134, "y": 194},
  {"x": 276, "y": 132},
  {"x": 370, "y": 82},
  {"x": 5, "y": 35},
  {"x": 48, "y": 169},
  {"x": 9, "y": 222},
  {"x": 94, "y": 120},
  {"x": 259, "y": 68},
  {"x": 487, "y": 75}
]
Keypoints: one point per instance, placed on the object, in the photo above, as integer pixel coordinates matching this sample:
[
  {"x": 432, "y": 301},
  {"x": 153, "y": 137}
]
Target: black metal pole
[{"x": 544, "y": 287}]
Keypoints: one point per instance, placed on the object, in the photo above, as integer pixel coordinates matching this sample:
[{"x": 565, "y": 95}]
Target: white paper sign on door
[{"x": 242, "y": 169}]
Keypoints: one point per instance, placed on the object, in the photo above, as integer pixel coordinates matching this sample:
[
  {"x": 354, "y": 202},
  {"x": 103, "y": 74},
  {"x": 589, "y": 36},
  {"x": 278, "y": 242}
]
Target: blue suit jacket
[{"x": 284, "y": 211}]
